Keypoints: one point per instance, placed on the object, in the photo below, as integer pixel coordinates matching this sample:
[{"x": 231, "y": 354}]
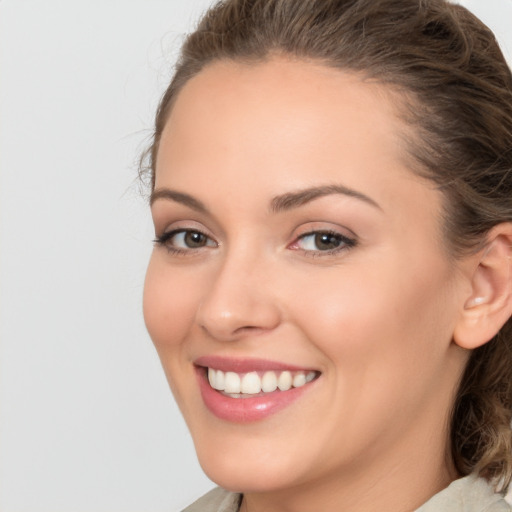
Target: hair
[{"x": 456, "y": 89}]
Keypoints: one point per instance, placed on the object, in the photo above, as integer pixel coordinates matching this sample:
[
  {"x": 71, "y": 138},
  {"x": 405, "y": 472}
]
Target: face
[{"x": 296, "y": 249}]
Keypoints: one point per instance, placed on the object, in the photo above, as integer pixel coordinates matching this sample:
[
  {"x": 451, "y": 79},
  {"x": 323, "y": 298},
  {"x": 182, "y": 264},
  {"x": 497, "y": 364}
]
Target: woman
[{"x": 330, "y": 291}]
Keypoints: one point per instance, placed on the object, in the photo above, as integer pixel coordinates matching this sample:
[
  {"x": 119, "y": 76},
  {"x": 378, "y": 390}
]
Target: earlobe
[
  {"x": 475, "y": 301},
  {"x": 489, "y": 305}
]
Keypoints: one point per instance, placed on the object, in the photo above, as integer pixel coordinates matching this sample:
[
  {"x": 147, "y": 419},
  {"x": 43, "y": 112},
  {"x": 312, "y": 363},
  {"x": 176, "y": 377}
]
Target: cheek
[
  {"x": 169, "y": 305},
  {"x": 386, "y": 317},
  {"x": 383, "y": 336}
]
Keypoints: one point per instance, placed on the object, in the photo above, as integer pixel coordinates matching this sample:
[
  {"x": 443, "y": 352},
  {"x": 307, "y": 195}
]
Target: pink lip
[
  {"x": 229, "y": 364},
  {"x": 245, "y": 410}
]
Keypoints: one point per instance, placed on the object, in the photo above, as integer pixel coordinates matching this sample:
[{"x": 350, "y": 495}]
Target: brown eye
[
  {"x": 185, "y": 239},
  {"x": 194, "y": 239},
  {"x": 327, "y": 241}
]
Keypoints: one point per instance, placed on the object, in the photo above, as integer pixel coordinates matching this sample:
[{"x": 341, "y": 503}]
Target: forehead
[
  {"x": 283, "y": 123},
  {"x": 294, "y": 95}
]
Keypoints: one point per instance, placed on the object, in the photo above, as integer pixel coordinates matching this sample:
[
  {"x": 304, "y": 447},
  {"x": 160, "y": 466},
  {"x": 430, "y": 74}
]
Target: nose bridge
[{"x": 238, "y": 298}]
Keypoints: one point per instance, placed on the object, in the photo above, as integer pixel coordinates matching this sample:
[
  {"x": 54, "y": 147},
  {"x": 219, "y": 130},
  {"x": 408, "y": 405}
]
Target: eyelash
[
  {"x": 346, "y": 243},
  {"x": 164, "y": 240}
]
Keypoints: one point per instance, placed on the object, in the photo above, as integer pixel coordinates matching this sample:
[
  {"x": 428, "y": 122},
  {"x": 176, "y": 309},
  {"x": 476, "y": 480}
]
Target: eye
[
  {"x": 189, "y": 239},
  {"x": 323, "y": 241},
  {"x": 180, "y": 240}
]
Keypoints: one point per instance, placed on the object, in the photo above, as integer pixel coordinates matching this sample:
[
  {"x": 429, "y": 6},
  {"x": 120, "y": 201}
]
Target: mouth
[
  {"x": 252, "y": 384},
  {"x": 243, "y": 391}
]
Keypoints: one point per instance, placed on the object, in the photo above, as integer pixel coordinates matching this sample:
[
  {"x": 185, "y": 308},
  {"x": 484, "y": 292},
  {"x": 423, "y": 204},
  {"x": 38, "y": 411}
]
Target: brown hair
[{"x": 457, "y": 90}]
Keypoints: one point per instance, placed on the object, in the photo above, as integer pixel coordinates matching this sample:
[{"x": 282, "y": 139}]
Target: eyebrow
[
  {"x": 292, "y": 200},
  {"x": 278, "y": 204},
  {"x": 178, "y": 197}
]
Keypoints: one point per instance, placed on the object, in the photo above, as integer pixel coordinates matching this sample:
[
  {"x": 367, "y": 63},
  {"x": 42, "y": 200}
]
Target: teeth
[
  {"x": 269, "y": 382},
  {"x": 232, "y": 383},
  {"x": 211, "y": 378},
  {"x": 299, "y": 380},
  {"x": 253, "y": 383},
  {"x": 284, "y": 381},
  {"x": 220, "y": 380}
]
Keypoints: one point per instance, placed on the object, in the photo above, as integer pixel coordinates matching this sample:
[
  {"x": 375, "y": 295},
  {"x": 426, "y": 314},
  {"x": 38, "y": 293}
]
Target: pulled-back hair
[{"x": 455, "y": 89}]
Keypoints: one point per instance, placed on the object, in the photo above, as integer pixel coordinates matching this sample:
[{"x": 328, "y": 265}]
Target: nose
[{"x": 239, "y": 300}]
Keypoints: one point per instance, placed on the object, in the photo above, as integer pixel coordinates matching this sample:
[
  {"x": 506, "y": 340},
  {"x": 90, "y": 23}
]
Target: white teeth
[
  {"x": 216, "y": 379},
  {"x": 299, "y": 380},
  {"x": 285, "y": 381},
  {"x": 211, "y": 377},
  {"x": 219, "y": 380},
  {"x": 232, "y": 383},
  {"x": 269, "y": 382},
  {"x": 252, "y": 383}
]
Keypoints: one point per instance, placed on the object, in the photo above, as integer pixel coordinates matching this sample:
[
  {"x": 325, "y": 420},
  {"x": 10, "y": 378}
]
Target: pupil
[
  {"x": 326, "y": 241},
  {"x": 194, "y": 239}
]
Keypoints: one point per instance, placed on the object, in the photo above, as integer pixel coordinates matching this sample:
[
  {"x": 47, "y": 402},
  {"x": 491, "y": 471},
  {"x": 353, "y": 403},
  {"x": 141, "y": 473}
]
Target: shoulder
[
  {"x": 468, "y": 494},
  {"x": 217, "y": 500}
]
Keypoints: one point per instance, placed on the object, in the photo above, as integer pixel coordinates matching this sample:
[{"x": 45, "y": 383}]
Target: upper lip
[{"x": 245, "y": 365}]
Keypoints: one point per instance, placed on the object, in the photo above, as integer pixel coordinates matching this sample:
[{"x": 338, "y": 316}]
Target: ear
[{"x": 489, "y": 305}]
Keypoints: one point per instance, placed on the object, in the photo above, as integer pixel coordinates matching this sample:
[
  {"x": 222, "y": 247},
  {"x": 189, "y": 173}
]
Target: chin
[
  {"x": 241, "y": 472},
  {"x": 237, "y": 476}
]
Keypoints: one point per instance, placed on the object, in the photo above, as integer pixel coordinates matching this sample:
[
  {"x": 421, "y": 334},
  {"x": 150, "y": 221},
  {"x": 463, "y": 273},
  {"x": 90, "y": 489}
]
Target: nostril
[
  {"x": 216, "y": 330},
  {"x": 250, "y": 328},
  {"x": 230, "y": 310}
]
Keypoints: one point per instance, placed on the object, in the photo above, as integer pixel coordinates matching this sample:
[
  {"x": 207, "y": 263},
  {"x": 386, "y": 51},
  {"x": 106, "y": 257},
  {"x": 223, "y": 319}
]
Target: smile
[
  {"x": 250, "y": 390},
  {"x": 246, "y": 385}
]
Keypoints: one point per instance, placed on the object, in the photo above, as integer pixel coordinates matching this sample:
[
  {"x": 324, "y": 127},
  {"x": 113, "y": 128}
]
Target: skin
[{"x": 376, "y": 319}]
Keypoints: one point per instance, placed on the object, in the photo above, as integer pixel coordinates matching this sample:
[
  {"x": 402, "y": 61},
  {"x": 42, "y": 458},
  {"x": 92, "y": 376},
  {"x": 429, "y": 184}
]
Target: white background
[{"x": 87, "y": 423}]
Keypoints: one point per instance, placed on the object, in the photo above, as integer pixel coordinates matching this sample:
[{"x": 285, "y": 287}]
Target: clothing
[
  {"x": 468, "y": 494},
  {"x": 217, "y": 500}
]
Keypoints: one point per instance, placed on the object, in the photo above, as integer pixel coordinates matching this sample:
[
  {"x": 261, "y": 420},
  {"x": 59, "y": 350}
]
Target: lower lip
[{"x": 246, "y": 410}]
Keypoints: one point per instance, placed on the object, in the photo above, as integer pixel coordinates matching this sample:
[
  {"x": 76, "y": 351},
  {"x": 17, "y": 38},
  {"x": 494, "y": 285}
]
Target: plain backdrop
[{"x": 87, "y": 423}]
